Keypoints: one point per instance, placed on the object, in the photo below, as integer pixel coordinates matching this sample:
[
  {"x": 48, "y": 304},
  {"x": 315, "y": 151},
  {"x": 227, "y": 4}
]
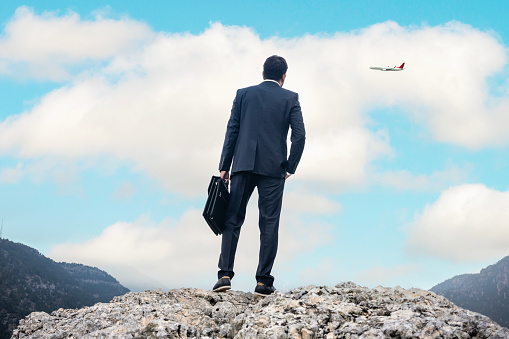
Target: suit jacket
[{"x": 257, "y": 131}]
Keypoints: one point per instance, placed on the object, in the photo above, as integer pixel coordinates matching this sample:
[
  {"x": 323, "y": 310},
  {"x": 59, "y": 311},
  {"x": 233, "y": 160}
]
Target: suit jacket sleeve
[
  {"x": 298, "y": 137},
  {"x": 230, "y": 138}
]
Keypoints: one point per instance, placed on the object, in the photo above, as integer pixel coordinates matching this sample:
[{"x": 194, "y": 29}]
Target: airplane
[{"x": 388, "y": 68}]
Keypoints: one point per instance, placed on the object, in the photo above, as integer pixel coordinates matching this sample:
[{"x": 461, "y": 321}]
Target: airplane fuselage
[{"x": 390, "y": 69}]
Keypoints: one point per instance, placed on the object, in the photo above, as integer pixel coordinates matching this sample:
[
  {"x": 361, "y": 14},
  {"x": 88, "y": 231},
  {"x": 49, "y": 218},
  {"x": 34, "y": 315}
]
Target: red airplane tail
[{"x": 403, "y": 64}]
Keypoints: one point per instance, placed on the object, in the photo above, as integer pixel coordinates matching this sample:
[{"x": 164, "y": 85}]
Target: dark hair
[{"x": 274, "y": 67}]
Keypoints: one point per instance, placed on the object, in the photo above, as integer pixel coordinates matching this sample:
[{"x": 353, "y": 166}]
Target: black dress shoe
[
  {"x": 222, "y": 285},
  {"x": 264, "y": 290}
]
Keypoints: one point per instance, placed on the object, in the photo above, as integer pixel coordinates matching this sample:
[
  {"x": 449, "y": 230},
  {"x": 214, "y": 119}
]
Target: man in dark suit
[{"x": 255, "y": 141}]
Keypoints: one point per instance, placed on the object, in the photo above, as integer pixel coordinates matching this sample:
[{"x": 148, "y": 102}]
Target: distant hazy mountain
[
  {"x": 486, "y": 292},
  {"x": 31, "y": 282}
]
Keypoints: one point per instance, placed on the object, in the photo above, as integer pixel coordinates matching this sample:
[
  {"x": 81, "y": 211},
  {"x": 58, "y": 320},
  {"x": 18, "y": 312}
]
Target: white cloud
[
  {"x": 159, "y": 103},
  {"x": 11, "y": 175},
  {"x": 469, "y": 222},
  {"x": 436, "y": 181},
  {"x": 184, "y": 253},
  {"x": 61, "y": 173},
  {"x": 301, "y": 201},
  {"x": 124, "y": 191},
  {"x": 338, "y": 159},
  {"x": 45, "y": 45}
]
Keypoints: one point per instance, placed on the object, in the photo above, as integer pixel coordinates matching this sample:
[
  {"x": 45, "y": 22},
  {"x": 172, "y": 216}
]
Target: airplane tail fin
[{"x": 402, "y": 65}]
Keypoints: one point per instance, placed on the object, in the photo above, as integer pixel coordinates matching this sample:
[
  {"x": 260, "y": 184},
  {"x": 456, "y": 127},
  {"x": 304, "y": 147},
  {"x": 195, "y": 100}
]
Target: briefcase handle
[{"x": 215, "y": 179}]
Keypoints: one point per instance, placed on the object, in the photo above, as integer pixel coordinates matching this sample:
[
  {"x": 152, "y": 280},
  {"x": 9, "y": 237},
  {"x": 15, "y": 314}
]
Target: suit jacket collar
[{"x": 269, "y": 84}]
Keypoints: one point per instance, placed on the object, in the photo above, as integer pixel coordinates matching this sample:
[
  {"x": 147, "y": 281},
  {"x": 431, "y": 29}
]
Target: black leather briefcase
[{"x": 215, "y": 207}]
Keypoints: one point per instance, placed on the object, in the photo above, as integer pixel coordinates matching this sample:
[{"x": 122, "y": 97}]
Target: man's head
[{"x": 275, "y": 68}]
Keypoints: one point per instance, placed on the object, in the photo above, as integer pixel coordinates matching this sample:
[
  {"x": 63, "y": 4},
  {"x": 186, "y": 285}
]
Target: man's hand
[
  {"x": 287, "y": 175},
  {"x": 225, "y": 175}
]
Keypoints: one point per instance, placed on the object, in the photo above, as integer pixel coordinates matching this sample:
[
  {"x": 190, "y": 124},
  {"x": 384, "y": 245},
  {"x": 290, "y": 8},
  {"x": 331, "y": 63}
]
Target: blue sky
[{"x": 113, "y": 116}]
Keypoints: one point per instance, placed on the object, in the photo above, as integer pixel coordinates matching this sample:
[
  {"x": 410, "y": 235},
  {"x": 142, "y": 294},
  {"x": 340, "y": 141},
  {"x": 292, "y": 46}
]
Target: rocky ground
[{"x": 343, "y": 311}]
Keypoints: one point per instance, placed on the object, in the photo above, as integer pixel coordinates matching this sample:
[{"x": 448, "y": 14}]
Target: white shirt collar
[{"x": 272, "y": 81}]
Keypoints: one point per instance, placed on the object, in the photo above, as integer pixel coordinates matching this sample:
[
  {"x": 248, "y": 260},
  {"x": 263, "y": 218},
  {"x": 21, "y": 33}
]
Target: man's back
[{"x": 260, "y": 119}]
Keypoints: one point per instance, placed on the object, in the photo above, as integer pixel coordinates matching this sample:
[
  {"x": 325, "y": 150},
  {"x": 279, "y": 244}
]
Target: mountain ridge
[
  {"x": 30, "y": 282},
  {"x": 486, "y": 292}
]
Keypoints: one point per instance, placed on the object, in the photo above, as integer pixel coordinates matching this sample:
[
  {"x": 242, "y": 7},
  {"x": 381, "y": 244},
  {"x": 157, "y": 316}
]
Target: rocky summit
[{"x": 343, "y": 311}]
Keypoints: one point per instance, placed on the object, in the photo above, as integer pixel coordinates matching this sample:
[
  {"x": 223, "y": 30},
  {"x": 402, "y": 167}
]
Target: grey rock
[{"x": 343, "y": 311}]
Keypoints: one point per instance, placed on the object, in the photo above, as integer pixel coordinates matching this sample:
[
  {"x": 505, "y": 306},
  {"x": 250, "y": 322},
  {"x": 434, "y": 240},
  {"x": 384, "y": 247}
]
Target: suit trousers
[{"x": 270, "y": 198}]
